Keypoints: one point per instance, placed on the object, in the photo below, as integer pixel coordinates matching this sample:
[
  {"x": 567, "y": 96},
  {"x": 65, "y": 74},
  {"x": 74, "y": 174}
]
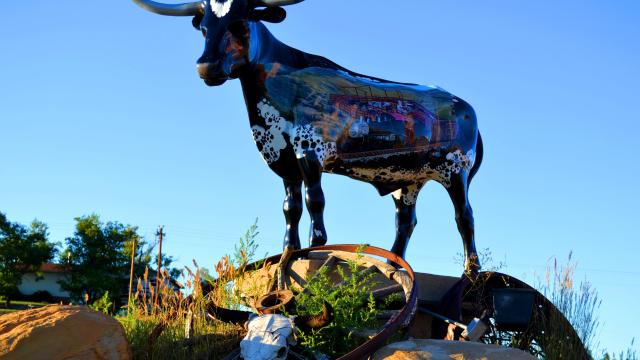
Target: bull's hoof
[
  {"x": 318, "y": 238},
  {"x": 472, "y": 265},
  {"x": 392, "y": 263},
  {"x": 472, "y": 273}
]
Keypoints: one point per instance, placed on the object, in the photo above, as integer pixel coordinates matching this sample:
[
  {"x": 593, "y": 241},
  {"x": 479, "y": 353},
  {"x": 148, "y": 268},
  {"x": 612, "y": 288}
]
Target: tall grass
[
  {"x": 629, "y": 354},
  {"x": 175, "y": 325},
  {"x": 579, "y": 303}
]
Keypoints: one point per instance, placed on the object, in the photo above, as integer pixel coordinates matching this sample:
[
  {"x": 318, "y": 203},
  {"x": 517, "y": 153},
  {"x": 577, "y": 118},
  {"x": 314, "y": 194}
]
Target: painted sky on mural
[{"x": 102, "y": 111}]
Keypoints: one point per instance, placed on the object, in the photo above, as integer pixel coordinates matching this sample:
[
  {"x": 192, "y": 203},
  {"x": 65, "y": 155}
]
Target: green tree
[
  {"x": 99, "y": 257},
  {"x": 22, "y": 250}
]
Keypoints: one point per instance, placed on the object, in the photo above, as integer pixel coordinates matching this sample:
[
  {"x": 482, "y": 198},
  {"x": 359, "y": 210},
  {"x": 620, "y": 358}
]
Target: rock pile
[{"x": 62, "y": 332}]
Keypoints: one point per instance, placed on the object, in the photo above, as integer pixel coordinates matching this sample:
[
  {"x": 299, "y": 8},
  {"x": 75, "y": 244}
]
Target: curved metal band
[{"x": 186, "y": 9}]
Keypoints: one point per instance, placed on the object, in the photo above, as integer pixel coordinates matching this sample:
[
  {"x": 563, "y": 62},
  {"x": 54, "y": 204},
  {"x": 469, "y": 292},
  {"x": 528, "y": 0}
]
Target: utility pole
[
  {"x": 133, "y": 256},
  {"x": 160, "y": 234}
]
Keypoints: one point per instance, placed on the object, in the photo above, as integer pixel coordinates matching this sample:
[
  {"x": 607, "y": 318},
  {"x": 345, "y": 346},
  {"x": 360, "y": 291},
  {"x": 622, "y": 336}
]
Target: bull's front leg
[
  {"x": 311, "y": 169},
  {"x": 292, "y": 209}
]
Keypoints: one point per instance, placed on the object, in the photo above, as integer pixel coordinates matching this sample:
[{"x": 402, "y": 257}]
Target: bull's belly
[
  {"x": 391, "y": 175},
  {"x": 393, "y": 172}
]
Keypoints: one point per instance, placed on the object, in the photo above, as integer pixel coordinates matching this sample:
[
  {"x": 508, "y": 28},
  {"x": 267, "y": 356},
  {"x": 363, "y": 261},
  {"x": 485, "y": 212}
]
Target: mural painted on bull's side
[{"x": 309, "y": 116}]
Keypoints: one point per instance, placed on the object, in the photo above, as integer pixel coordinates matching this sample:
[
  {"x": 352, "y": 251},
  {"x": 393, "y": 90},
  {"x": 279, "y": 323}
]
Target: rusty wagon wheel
[
  {"x": 544, "y": 332},
  {"x": 374, "y": 260}
]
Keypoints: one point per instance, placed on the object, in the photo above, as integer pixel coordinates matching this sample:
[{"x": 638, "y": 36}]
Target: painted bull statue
[{"x": 309, "y": 116}]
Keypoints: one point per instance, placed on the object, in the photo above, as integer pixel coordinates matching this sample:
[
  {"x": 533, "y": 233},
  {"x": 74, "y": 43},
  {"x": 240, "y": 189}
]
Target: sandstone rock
[
  {"x": 447, "y": 350},
  {"x": 62, "y": 332}
]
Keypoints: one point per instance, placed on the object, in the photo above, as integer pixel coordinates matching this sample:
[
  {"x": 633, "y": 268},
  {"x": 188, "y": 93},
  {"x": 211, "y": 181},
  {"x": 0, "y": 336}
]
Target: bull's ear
[
  {"x": 196, "y": 21},
  {"x": 274, "y": 14}
]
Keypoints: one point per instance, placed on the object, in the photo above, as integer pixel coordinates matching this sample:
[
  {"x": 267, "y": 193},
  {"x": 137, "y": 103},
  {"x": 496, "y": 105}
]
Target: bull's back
[{"x": 375, "y": 130}]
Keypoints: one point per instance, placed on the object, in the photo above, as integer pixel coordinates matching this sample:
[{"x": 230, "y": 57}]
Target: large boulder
[
  {"x": 62, "y": 332},
  {"x": 447, "y": 350}
]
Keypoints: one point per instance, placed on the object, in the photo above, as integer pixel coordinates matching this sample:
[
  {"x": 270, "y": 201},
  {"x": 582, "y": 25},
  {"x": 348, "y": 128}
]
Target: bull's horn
[
  {"x": 227, "y": 315},
  {"x": 277, "y": 2},
  {"x": 186, "y": 9},
  {"x": 306, "y": 322}
]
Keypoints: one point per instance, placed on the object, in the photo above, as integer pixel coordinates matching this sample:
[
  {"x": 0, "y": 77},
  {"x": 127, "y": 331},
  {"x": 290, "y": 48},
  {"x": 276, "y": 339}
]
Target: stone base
[{"x": 418, "y": 349}]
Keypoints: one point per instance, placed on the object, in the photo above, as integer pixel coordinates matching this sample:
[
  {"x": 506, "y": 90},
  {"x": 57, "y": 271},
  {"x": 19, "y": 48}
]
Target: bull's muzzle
[{"x": 210, "y": 73}]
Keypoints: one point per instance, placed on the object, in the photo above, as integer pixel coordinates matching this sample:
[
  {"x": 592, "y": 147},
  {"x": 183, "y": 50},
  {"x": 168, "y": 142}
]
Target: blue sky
[{"x": 102, "y": 111}]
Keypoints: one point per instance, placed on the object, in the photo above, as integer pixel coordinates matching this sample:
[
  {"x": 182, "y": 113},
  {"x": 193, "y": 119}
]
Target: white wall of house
[{"x": 48, "y": 283}]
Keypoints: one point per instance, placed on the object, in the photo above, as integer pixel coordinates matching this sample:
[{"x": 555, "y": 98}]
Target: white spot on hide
[
  {"x": 221, "y": 9},
  {"x": 270, "y": 140},
  {"x": 461, "y": 161},
  {"x": 397, "y": 194},
  {"x": 408, "y": 195},
  {"x": 303, "y": 138},
  {"x": 411, "y": 196},
  {"x": 456, "y": 162},
  {"x": 306, "y": 139}
]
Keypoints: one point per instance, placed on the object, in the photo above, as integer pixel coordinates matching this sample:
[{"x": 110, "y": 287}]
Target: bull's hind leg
[
  {"x": 311, "y": 170},
  {"x": 458, "y": 191},
  {"x": 292, "y": 209},
  {"x": 405, "y": 200}
]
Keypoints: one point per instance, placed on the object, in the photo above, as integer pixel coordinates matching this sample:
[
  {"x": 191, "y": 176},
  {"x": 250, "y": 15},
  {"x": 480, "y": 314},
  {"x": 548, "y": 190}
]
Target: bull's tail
[{"x": 476, "y": 164}]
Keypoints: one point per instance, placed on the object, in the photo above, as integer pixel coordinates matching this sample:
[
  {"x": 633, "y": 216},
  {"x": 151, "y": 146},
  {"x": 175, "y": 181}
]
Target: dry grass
[
  {"x": 159, "y": 330},
  {"x": 579, "y": 303},
  {"x": 165, "y": 323}
]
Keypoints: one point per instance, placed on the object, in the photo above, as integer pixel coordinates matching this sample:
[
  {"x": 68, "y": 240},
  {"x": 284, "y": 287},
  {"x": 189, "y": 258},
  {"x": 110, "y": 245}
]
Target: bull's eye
[{"x": 203, "y": 30}]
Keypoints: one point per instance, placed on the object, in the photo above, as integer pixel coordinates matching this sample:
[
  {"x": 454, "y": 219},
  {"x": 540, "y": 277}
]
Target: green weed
[{"x": 354, "y": 309}]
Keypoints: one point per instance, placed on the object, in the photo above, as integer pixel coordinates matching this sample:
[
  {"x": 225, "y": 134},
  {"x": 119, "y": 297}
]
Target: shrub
[
  {"x": 42, "y": 296},
  {"x": 104, "y": 304},
  {"x": 354, "y": 309}
]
